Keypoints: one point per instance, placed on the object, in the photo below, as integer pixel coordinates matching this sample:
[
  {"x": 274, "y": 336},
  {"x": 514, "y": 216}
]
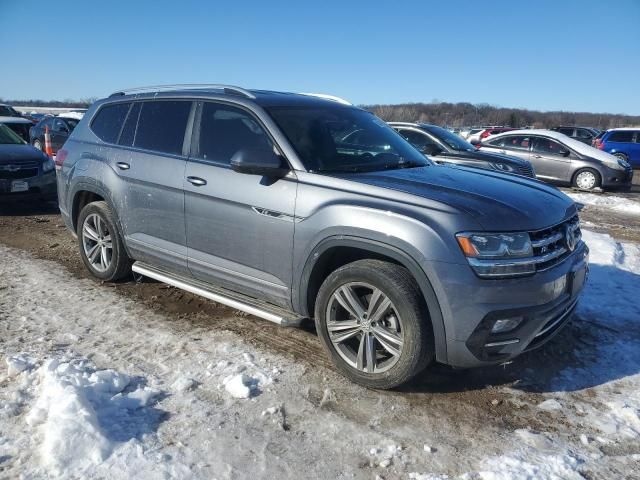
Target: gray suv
[{"x": 264, "y": 201}]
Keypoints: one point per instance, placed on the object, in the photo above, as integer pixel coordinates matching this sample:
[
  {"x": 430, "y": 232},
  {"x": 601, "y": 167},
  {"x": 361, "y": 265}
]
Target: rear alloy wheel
[
  {"x": 586, "y": 179},
  {"x": 374, "y": 322},
  {"x": 101, "y": 246}
]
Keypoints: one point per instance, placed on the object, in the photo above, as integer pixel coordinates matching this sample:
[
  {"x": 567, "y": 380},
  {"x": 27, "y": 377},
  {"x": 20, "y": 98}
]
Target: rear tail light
[
  {"x": 484, "y": 134},
  {"x": 599, "y": 144},
  {"x": 60, "y": 157}
]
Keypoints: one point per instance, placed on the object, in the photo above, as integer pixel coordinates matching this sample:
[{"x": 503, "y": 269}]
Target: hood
[
  {"x": 499, "y": 202},
  {"x": 19, "y": 154},
  {"x": 483, "y": 156},
  {"x": 591, "y": 152}
]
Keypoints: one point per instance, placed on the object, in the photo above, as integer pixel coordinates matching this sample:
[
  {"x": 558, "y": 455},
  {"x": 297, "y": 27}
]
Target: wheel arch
[{"x": 334, "y": 252}]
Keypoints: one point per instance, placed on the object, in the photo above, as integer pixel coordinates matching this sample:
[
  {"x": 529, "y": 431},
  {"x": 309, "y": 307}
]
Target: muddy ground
[{"x": 39, "y": 230}]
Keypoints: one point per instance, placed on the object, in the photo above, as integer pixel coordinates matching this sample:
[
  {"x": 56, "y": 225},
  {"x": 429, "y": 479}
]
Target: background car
[
  {"x": 19, "y": 125},
  {"x": 562, "y": 160},
  {"x": 59, "y": 128},
  {"x": 582, "y": 134},
  {"x": 442, "y": 146},
  {"x": 472, "y": 131},
  {"x": 23, "y": 169},
  {"x": 485, "y": 133},
  {"x": 8, "y": 111},
  {"x": 624, "y": 143}
]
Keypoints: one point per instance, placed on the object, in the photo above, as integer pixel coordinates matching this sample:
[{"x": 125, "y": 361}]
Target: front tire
[
  {"x": 587, "y": 179},
  {"x": 101, "y": 246},
  {"x": 374, "y": 322},
  {"x": 621, "y": 156}
]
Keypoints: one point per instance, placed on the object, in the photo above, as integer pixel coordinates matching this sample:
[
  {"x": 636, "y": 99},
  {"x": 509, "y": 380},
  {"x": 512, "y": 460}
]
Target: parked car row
[{"x": 59, "y": 130}]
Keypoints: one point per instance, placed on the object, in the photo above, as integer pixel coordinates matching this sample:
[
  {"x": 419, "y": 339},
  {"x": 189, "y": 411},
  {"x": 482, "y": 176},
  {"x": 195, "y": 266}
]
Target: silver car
[
  {"x": 561, "y": 160},
  {"x": 291, "y": 206}
]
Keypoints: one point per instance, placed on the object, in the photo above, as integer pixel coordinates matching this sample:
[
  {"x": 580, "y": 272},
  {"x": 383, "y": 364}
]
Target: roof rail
[
  {"x": 328, "y": 97},
  {"x": 187, "y": 86}
]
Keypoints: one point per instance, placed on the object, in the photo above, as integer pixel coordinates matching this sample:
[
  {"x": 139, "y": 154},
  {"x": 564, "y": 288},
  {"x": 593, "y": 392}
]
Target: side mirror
[
  {"x": 431, "y": 149},
  {"x": 259, "y": 161},
  {"x": 565, "y": 153}
]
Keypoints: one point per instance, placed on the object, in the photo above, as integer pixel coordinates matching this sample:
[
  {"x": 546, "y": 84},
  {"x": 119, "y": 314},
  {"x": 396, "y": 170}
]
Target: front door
[
  {"x": 239, "y": 226},
  {"x": 550, "y": 159}
]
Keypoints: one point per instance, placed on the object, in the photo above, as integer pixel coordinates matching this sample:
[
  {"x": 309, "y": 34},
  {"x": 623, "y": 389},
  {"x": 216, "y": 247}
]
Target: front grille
[
  {"x": 550, "y": 244},
  {"x": 525, "y": 170},
  {"x": 18, "y": 171}
]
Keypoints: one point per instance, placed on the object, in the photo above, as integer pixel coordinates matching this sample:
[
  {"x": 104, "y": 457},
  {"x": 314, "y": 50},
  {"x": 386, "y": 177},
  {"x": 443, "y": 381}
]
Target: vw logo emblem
[{"x": 570, "y": 237}]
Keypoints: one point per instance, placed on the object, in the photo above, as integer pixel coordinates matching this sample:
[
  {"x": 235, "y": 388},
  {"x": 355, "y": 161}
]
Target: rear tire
[
  {"x": 389, "y": 337},
  {"x": 621, "y": 156},
  {"x": 587, "y": 179},
  {"x": 101, "y": 246}
]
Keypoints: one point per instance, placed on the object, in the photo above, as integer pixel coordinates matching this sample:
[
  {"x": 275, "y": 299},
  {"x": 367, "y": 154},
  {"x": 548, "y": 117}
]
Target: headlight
[
  {"x": 503, "y": 167},
  {"x": 623, "y": 164},
  {"x": 498, "y": 254},
  {"x": 48, "y": 165}
]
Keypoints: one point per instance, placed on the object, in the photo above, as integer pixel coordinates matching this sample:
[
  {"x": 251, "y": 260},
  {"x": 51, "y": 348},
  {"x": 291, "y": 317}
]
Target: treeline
[
  {"x": 467, "y": 114},
  {"x": 82, "y": 103}
]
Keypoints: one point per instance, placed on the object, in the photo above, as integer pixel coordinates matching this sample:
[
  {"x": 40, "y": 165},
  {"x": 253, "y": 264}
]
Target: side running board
[{"x": 235, "y": 300}]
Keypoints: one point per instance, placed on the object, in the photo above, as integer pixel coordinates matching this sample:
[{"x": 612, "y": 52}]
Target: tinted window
[
  {"x": 129, "y": 130},
  {"x": 21, "y": 129},
  {"x": 224, "y": 130},
  {"x": 566, "y": 131},
  {"x": 108, "y": 121},
  {"x": 621, "y": 136},
  {"x": 416, "y": 139},
  {"x": 519, "y": 142},
  {"x": 71, "y": 123},
  {"x": 548, "y": 146},
  {"x": 162, "y": 125},
  {"x": 60, "y": 126},
  {"x": 583, "y": 133}
]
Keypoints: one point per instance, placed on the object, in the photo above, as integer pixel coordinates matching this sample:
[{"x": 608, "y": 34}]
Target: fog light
[{"x": 506, "y": 324}]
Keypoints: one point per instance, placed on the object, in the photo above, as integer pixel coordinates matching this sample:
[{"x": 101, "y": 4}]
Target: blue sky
[{"x": 546, "y": 55}]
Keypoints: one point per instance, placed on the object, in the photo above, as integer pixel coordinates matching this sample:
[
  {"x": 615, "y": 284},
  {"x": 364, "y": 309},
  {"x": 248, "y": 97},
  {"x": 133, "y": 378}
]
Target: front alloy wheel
[
  {"x": 586, "y": 180},
  {"x": 364, "y": 327}
]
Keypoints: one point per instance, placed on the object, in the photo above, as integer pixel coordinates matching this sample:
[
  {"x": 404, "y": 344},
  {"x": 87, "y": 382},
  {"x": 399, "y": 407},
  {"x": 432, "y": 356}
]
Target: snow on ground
[
  {"x": 619, "y": 204},
  {"x": 96, "y": 385}
]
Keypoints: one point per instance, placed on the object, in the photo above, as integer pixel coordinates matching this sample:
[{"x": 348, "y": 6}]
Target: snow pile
[
  {"x": 238, "y": 386},
  {"x": 619, "y": 204},
  {"x": 80, "y": 413}
]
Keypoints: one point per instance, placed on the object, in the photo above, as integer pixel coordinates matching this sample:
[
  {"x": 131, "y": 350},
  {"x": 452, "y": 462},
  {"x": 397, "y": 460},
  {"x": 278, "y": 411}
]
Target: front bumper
[
  {"x": 41, "y": 186},
  {"x": 612, "y": 178},
  {"x": 471, "y": 305}
]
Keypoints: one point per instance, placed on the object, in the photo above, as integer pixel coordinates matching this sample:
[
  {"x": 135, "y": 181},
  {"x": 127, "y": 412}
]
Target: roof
[
  {"x": 623, "y": 129},
  {"x": 15, "y": 120},
  {"x": 265, "y": 98}
]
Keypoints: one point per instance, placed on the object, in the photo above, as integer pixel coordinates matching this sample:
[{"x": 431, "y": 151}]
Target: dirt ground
[{"x": 39, "y": 230}]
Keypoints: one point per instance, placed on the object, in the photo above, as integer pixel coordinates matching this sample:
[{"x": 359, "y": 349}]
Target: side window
[
  {"x": 108, "y": 121},
  {"x": 548, "y": 147},
  {"x": 518, "y": 142},
  {"x": 583, "y": 133},
  {"x": 60, "y": 126},
  {"x": 637, "y": 136},
  {"x": 162, "y": 125},
  {"x": 567, "y": 131},
  {"x": 622, "y": 136},
  {"x": 225, "y": 129},
  {"x": 416, "y": 139},
  {"x": 131, "y": 123}
]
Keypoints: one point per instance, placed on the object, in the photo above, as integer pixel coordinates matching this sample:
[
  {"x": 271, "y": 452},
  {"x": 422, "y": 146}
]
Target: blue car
[{"x": 624, "y": 143}]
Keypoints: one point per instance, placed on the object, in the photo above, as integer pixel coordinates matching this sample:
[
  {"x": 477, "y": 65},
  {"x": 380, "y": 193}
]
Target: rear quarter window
[
  {"x": 625, "y": 136},
  {"x": 108, "y": 121}
]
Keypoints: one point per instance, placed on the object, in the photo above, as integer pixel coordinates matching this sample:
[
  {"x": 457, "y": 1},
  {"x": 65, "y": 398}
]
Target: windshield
[
  {"x": 339, "y": 139},
  {"x": 452, "y": 140},
  {"x": 8, "y": 137},
  {"x": 7, "y": 111}
]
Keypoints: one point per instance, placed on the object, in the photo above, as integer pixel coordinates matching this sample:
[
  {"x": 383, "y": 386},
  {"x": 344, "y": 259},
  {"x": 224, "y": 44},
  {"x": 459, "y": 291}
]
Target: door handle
[
  {"x": 123, "y": 166},
  {"x": 197, "y": 181}
]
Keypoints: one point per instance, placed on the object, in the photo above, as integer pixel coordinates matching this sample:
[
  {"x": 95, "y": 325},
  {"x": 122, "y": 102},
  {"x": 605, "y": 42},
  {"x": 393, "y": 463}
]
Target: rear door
[
  {"x": 634, "y": 153},
  {"x": 239, "y": 226},
  {"x": 550, "y": 158},
  {"x": 514, "y": 145},
  {"x": 151, "y": 160}
]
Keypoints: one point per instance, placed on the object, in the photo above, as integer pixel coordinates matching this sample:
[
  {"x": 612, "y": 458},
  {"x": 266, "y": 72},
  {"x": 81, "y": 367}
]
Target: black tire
[
  {"x": 37, "y": 144},
  {"x": 397, "y": 284},
  {"x": 621, "y": 156},
  {"x": 120, "y": 264},
  {"x": 598, "y": 178}
]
